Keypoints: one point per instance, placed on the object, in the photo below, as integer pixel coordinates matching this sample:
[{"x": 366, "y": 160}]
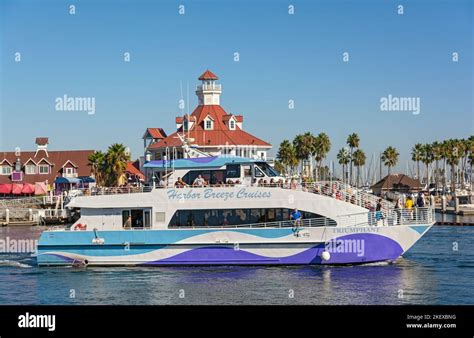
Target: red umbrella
[
  {"x": 28, "y": 189},
  {"x": 17, "y": 188},
  {"x": 40, "y": 188},
  {"x": 5, "y": 188}
]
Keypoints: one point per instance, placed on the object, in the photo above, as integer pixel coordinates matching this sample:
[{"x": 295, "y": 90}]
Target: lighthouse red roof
[
  {"x": 220, "y": 135},
  {"x": 208, "y": 75}
]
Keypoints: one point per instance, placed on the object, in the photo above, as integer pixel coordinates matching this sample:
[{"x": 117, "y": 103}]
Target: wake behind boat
[{"x": 235, "y": 217}]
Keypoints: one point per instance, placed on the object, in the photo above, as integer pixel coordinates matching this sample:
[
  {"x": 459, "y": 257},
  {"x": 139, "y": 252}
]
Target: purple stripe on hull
[{"x": 350, "y": 249}]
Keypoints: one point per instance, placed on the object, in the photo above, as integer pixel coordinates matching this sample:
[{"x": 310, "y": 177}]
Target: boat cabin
[{"x": 215, "y": 170}]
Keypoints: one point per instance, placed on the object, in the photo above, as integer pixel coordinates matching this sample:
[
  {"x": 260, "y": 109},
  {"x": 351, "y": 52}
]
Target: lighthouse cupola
[{"x": 208, "y": 91}]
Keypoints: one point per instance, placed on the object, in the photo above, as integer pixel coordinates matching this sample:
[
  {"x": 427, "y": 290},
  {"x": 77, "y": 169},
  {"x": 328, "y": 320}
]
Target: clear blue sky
[{"x": 282, "y": 57}]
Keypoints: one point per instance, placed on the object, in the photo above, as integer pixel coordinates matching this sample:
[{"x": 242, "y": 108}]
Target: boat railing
[
  {"x": 390, "y": 217},
  {"x": 304, "y": 223}
]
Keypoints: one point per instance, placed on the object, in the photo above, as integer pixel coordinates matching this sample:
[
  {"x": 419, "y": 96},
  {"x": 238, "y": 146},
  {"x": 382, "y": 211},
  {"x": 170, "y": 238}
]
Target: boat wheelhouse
[
  {"x": 215, "y": 170},
  {"x": 224, "y": 222}
]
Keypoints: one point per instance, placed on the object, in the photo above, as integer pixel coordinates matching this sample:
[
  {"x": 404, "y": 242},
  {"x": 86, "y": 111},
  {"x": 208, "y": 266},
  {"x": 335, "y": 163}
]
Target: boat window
[
  {"x": 223, "y": 217},
  {"x": 267, "y": 169},
  {"x": 147, "y": 214},
  {"x": 126, "y": 219},
  {"x": 212, "y": 176},
  {"x": 258, "y": 172},
  {"x": 247, "y": 170},
  {"x": 136, "y": 218},
  {"x": 233, "y": 171}
]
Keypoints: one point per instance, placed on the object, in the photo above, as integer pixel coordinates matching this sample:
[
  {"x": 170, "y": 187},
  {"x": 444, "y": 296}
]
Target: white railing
[
  {"x": 390, "y": 217},
  {"x": 307, "y": 222},
  {"x": 347, "y": 193},
  {"x": 209, "y": 87}
]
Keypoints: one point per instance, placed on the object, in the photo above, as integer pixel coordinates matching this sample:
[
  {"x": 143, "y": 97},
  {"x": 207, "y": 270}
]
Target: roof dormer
[{"x": 208, "y": 123}]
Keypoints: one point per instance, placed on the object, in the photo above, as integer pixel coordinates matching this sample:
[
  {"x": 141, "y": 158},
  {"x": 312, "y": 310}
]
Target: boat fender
[{"x": 325, "y": 255}]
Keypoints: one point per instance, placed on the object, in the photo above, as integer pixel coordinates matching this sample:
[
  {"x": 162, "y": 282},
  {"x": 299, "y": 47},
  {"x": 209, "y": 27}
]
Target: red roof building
[
  {"x": 209, "y": 129},
  {"x": 133, "y": 173},
  {"x": 45, "y": 166}
]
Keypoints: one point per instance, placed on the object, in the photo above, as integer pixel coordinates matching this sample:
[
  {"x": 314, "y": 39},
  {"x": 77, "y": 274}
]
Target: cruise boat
[{"x": 240, "y": 216}]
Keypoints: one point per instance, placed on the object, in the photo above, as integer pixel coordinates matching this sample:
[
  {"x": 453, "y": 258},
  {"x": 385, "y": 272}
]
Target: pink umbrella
[
  {"x": 28, "y": 189},
  {"x": 17, "y": 188},
  {"x": 5, "y": 188},
  {"x": 40, "y": 188}
]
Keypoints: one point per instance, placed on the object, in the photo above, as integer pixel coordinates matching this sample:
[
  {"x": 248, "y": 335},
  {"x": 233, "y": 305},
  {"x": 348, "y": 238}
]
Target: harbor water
[{"x": 439, "y": 269}]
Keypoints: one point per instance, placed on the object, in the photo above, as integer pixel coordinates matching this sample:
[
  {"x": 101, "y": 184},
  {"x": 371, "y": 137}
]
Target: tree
[
  {"x": 427, "y": 158},
  {"x": 322, "y": 145},
  {"x": 453, "y": 155},
  {"x": 97, "y": 163},
  {"x": 437, "y": 150},
  {"x": 390, "y": 158},
  {"x": 304, "y": 147},
  {"x": 344, "y": 157},
  {"x": 353, "y": 142},
  {"x": 287, "y": 156},
  {"x": 359, "y": 161},
  {"x": 116, "y": 162},
  {"x": 416, "y": 157},
  {"x": 280, "y": 167}
]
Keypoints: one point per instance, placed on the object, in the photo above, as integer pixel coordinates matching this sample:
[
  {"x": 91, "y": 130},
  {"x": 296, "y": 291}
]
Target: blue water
[{"x": 433, "y": 272}]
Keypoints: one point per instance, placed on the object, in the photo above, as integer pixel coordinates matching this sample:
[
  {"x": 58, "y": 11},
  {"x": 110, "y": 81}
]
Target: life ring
[{"x": 80, "y": 226}]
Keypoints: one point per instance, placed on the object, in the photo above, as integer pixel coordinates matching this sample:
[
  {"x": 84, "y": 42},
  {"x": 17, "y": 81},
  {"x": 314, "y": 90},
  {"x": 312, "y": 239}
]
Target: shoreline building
[
  {"x": 57, "y": 170},
  {"x": 208, "y": 131}
]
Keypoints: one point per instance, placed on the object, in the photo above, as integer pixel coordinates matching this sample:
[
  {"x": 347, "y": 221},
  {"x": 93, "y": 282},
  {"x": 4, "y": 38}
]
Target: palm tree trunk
[
  {"x": 427, "y": 175},
  {"x": 453, "y": 178},
  {"x": 358, "y": 176}
]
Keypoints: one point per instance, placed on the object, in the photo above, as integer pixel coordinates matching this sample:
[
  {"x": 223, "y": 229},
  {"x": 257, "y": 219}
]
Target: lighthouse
[
  {"x": 208, "y": 129},
  {"x": 208, "y": 92}
]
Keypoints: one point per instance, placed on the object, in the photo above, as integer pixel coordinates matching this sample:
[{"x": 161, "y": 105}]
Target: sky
[{"x": 282, "y": 57}]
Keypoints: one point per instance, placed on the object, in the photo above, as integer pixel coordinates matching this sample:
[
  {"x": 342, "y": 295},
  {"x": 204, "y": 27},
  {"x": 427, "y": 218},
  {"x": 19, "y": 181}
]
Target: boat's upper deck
[{"x": 334, "y": 189}]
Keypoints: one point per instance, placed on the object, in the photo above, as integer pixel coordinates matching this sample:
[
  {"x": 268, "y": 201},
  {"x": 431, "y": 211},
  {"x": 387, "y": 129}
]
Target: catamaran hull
[{"x": 265, "y": 246}]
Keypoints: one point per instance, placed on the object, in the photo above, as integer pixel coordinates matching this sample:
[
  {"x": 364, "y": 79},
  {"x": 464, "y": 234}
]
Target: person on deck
[
  {"x": 296, "y": 219},
  {"x": 199, "y": 182}
]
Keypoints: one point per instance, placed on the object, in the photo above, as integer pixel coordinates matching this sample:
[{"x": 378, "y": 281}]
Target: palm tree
[
  {"x": 322, "y": 145},
  {"x": 466, "y": 148},
  {"x": 304, "y": 147},
  {"x": 453, "y": 155},
  {"x": 353, "y": 142},
  {"x": 437, "y": 155},
  {"x": 471, "y": 158},
  {"x": 344, "y": 158},
  {"x": 359, "y": 161},
  {"x": 427, "y": 158},
  {"x": 97, "y": 162},
  {"x": 287, "y": 155},
  {"x": 416, "y": 157},
  {"x": 445, "y": 151},
  {"x": 116, "y": 160},
  {"x": 390, "y": 157}
]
